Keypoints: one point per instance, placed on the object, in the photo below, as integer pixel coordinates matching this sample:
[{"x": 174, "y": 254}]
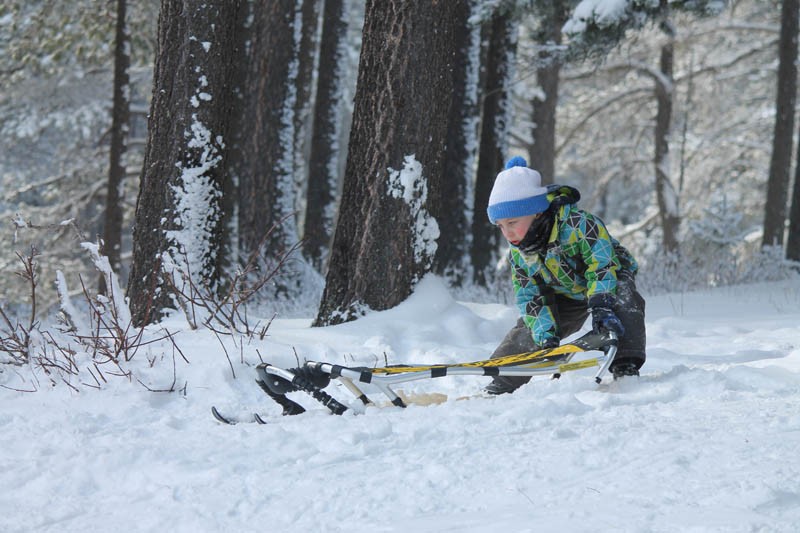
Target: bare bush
[
  {"x": 222, "y": 308},
  {"x": 92, "y": 341},
  {"x": 16, "y": 336}
]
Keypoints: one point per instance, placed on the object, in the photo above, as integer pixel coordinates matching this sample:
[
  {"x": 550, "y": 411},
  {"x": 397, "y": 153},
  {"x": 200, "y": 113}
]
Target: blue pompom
[{"x": 516, "y": 161}]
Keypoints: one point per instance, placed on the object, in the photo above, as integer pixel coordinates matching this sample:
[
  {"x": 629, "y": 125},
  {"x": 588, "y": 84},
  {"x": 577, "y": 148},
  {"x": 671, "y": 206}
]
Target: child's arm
[
  {"x": 534, "y": 301},
  {"x": 601, "y": 260}
]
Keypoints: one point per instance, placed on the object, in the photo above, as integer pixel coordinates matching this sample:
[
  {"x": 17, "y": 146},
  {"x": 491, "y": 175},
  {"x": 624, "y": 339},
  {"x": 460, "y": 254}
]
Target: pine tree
[
  {"x": 385, "y": 237},
  {"x": 495, "y": 124},
  {"x": 781, "y": 161},
  {"x": 120, "y": 120},
  {"x": 266, "y": 195},
  {"x": 454, "y": 211},
  {"x": 323, "y": 166},
  {"x": 179, "y": 212}
]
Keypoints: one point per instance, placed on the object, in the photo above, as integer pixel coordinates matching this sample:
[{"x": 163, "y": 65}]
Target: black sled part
[
  {"x": 307, "y": 379},
  {"x": 289, "y": 407},
  {"x": 596, "y": 341},
  {"x": 272, "y": 384},
  {"x": 232, "y": 421},
  {"x": 221, "y": 418}
]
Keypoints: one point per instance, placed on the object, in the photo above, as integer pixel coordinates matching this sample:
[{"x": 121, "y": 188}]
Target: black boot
[
  {"x": 623, "y": 368},
  {"x": 505, "y": 385}
]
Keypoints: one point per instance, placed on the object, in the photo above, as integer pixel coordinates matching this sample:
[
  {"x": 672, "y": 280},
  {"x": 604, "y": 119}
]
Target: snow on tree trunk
[
  {"x": 411, "y": 186},
  {"x": 178, "y": 211},
  {"x": 495, "y": 124},
  {"x": 383, "y": 242}
]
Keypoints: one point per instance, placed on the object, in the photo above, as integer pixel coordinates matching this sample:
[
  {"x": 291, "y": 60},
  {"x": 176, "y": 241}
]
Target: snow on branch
[{"x": 119, "y": 306}]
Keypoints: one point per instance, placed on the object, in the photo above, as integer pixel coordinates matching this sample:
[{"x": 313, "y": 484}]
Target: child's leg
[
  {"x": 570, "y": 314},
  {"x": 517, "y": 340},
  {"x": 629, "y": 308}
]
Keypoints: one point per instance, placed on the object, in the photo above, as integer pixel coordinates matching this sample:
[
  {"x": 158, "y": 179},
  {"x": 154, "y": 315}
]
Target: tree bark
[
  {"x": 384, "y": 234},
  {"x": 265, "y": 192},
  {"x": 267, "y": 225},
  {"x": 454, "y": 211},
  {"x": 237, "y": 145},
  {"x": 542, "y": 154},
  {"x": 120, "y": 121},
  {"x": 781, "y": 161},
  {"x": 323, "y": 175},
  {"x": 666, "y": 195},
  {"x": 493, "y": 143},
  {"x": 793, "y": 238},
  {"x": 307, "y": 58},
  {"x": 178, "y": 210}
]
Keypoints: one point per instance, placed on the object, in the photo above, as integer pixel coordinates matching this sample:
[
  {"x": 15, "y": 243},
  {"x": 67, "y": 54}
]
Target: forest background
[{"x": 307, "y": 156}]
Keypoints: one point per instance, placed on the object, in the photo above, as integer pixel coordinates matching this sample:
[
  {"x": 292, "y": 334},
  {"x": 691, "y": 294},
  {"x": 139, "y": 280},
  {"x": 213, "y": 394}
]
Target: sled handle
[{"x": 610, "y": 354}]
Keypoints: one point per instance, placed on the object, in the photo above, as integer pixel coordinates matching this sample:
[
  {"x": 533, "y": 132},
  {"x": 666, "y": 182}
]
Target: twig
[
  {"x": 224, "y": 349},
  {"x": 18, "y": 390}
]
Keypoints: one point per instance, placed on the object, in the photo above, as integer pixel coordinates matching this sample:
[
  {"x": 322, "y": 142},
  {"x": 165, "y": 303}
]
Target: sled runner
[{"x": 313, "y": 377}]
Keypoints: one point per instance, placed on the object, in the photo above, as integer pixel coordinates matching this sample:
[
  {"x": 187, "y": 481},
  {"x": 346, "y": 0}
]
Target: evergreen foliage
[{"x": 597, "y": 27}]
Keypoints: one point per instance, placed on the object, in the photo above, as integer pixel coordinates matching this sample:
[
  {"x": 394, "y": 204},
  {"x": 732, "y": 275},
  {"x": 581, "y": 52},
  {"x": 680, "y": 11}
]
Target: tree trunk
[
  {"x": 178, "y": 211},
  {"x": 493, "y": 144},
  {"x": 454, "y": 212},
  {"x": 385, "y": 237},
  {"x": 793, "y": 239},
  {"x": 781, "y": 161},
  {"x": 542, "y": 154},
  {"x": 237, "y": 145},
  {"x": 323, "y": 176},
  {"x": 266, "y": 189},
  {"x": 666, "y": 195},
  {"x": 307, "y": 56},
  {"x": 120, "y": 120}
]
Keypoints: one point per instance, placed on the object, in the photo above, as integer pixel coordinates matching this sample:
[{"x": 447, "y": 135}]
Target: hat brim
[{"x": 518, "y": 208}]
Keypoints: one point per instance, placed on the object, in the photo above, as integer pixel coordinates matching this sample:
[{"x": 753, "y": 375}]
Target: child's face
[{"x": 514, "y": 229}]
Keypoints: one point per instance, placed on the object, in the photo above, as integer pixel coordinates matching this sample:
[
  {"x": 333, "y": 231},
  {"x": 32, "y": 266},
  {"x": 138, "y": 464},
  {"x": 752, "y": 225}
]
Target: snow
[
  {"x": 704, "y": 441},
  {"x": 196, "y": 192},
  {"x": 411, "y": 186},
  {"x": 603, "y": 12},
  {"x": 117, "y": 301}
]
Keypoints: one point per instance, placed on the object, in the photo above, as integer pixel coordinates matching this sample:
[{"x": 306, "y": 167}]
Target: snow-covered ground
[{"x": 706, "y": 439}]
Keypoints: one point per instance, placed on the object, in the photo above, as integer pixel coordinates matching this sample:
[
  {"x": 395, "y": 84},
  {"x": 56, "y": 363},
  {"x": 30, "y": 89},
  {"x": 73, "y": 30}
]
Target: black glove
[
  {"x": 604, "y": 319},
  {"x": 552, "y": 342}
]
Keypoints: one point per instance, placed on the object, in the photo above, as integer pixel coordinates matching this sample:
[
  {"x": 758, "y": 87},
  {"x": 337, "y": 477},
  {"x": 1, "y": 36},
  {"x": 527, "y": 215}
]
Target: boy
[{"x": 564, "y": 266}]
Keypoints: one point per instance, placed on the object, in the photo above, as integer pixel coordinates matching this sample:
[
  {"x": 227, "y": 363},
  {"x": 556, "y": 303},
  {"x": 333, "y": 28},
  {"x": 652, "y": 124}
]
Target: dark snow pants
[{"x": 571, "y": 315}]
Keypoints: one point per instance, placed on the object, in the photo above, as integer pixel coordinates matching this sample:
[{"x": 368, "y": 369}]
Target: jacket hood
[{"x": 562, "y": 194}]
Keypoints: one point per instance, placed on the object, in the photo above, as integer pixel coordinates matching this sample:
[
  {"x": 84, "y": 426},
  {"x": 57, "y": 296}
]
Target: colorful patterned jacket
[{"x": 581, "y": 262}]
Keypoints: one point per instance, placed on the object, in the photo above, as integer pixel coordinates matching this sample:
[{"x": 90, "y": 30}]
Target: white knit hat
[{"x": 517, "y": 192}]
